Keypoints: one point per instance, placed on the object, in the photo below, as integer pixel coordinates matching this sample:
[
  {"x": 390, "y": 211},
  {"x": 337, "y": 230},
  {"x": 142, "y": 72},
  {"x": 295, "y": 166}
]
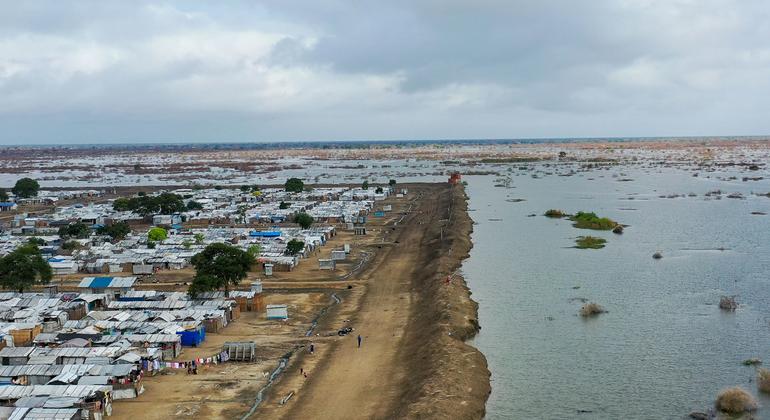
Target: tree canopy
[
  {"x": 194, "y": 205},
  {"x": 157, "y": 234},
  {"x": 365, "y": 185},
  {"x": 392, "y": 182},
  {"x": 25, "y": 188},
  {"x": 116, "y": 231},
  {"x": 166, "y": 203},
  {"x": 218, "y": 266},
  {"x": 3, "y": 195},
  {"x": 378, "y": 190},
  {"x": 304, "y": 220},
  {"x": 294, "y": 247},
  {"x": 23, "y": 268},
  {"x": 294, "y": 185},
  {"x": 77, "y": 230}
]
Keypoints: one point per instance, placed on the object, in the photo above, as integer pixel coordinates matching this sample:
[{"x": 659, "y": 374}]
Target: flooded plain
[{"x": 664, "y": 348}]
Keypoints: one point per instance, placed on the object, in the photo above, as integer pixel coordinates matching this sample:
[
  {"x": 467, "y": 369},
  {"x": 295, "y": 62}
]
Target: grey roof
[{"x": 16, "y": 351}]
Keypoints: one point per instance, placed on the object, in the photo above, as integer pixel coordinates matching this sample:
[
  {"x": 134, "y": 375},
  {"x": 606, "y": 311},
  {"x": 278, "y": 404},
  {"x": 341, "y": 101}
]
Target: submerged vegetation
[
  {"x": 589, "y": 242},
  {"x": 728, "y": 303},
  {"x": 554, "y": 213},
  {"x": 584, "y": 220},
  {"x": 735, "y": 400}
]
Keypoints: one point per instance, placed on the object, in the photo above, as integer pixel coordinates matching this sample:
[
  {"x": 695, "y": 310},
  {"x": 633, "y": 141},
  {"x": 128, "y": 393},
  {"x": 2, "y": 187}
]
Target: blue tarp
[
  {"x": 192, "y": 338},
  {"x": 100, "y": 282},
  {"x": 265, "y": 233}
]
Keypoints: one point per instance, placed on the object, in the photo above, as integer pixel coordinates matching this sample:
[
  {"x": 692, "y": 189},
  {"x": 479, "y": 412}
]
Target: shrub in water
[
  {"x": 735, "y": 400},
  {"x": 728, "y": 303},
  {"x": 763, "y": 380},
  {"x": 591, "y": 309}
]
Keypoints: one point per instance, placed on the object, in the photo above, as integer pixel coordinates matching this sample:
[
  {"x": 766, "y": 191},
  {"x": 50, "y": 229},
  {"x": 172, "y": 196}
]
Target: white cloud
[{"x": 291, "y": 70}]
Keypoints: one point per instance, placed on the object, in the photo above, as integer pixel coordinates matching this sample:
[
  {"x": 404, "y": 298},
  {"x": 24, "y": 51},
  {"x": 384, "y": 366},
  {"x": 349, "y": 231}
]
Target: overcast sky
[{"x": 129, "y": 71}]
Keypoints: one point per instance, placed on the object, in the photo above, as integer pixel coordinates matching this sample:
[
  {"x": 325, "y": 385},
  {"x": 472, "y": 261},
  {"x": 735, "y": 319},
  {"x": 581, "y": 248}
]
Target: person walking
[
  {"x": 312, "y": 348},
  {"x": 359, "y": 341}
]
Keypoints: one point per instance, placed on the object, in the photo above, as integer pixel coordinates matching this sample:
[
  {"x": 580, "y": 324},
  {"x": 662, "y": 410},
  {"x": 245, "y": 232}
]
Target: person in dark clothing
[
  {"x": 359, "y": 341},
  {"x": 312, "y": 348}
]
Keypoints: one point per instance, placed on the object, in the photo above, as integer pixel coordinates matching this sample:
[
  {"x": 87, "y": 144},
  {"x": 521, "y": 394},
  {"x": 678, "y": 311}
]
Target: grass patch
[
  {"x": 735, "y": 400},
  {"x": 557, "y": 214},
  {"x": 585, "y": 220},
  {"x": 589, "y": 242}
]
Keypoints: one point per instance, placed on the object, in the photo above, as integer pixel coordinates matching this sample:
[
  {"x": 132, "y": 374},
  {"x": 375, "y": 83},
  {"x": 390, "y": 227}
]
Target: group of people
[{"x": 192, "y": 367}]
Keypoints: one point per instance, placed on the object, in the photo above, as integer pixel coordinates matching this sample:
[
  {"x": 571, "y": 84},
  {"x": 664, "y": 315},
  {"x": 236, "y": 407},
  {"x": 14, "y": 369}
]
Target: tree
[
  {"x": 169, "y": 203},
  {"x": 194, "y": 205},
  {"x": 294, "y": 247},
  {"x": 392, "y": 183},
  {"x": 121, "y": 204},
  {"x": 3, "y": 195},
  {"x": 254, "y": 250},
  {"x": 116, "y": 231},
  {"x": 25, "y": 188},
  {"x": 24, "y": 267},
  {"x": 294, "y": 185},
  {"x": 245, "y": 188},
  {"x": 284, "y": 205},
  {"x": 157, "y": 234},
  {"x": 365, "y": 185},
  {"x": 242, "y": 213},
  {"x": 186, "y": 244},
  {"x": 199, "y": 238},
  {"x": 378, "y": 190},
  {"x": 70, "y": 246},
  {"x": 166, "y": 203},
  {"x": 218, "y": 266},
  {"x": 304, "y": 220},
  {"x": 36, "y": 241},
  {"x": 77, "y": 230}
]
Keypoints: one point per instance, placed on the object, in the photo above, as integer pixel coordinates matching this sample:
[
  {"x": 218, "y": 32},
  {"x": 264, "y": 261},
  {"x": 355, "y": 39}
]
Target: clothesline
[{"x": 216, "y": 359}]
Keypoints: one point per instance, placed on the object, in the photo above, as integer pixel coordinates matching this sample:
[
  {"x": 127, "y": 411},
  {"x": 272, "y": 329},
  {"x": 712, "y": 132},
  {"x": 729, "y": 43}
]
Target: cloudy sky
[{"x": 129, "y": 71}]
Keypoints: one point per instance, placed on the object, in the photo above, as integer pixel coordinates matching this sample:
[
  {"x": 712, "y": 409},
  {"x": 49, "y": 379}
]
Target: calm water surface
[{"x": 665, "y": 348}]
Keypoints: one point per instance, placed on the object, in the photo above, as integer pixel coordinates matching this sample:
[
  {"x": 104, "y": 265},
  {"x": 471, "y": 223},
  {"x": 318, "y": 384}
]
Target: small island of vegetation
[
  {"x": 584, "y": 220},
  {"x": 589, "y": 242},
  {"x": 554, "y": 213}
]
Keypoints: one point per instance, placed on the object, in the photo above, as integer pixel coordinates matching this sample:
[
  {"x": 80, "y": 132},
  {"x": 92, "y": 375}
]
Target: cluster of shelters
[
  {"x": 233, "y": 216},
  {"x": 77, "y": 352}
]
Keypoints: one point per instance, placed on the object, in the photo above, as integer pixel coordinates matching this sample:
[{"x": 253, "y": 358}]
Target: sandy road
[{"x": 353, "y": 383}]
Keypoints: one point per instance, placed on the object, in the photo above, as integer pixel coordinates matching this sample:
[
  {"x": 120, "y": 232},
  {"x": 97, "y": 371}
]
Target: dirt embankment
[
  {"x": 448, "y": 378},
  {"x": 414, "y": 362}
]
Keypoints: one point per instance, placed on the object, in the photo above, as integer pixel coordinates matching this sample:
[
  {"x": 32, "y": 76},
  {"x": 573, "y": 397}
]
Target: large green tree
[
  {"x": 157, "y": 234},
  {"x": 304, "y": 220},
  {"x": 294, "y": 247},
  {"x": 77, "y": 230},
  {"x": 116, "y": 231},
  {"x": 219, "y": 266},
  {"x": 25, "y": 188},
  {"x": 23, "y": 268},
  {"x": 166, "y": 203},
  {"x": 294, "y": 185},
  {"x": 3, "y": 195}
]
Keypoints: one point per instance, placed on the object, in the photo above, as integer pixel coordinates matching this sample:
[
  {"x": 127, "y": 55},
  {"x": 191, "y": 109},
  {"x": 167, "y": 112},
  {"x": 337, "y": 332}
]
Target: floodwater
[{"x": 665, "y": 348}]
